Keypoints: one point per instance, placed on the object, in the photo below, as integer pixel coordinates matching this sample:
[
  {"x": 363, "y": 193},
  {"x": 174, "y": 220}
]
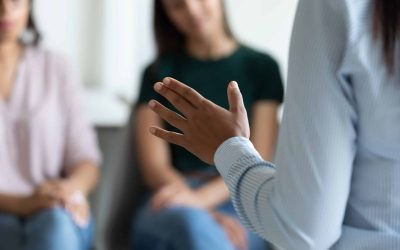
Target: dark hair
[
  {"x": 31, "y": 27},
  {"x": 386, "y": 28},
  {"x": 168, "y": 37}
]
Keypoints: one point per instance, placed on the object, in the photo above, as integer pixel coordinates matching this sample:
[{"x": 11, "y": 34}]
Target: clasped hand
[{"x": 58, "y": 193}]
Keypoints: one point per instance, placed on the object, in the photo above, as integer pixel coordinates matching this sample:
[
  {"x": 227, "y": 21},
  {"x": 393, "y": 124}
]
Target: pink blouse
[{"x": 43, "y": 129}]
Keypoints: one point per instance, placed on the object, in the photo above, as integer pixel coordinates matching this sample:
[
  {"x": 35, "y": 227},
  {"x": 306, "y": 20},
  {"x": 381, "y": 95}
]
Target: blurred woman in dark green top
[{"x": 189, "y": 206}]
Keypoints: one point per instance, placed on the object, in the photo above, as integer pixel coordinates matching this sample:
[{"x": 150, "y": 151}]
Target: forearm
[
  {"x": 214, "y": 193},
  {"x": 247, "y": 177},
  {"x": 264, "y": 129},
  {"x": 266, "y": 144},
  {"x": 83, "y": 177},
  {"x": 160, "y": 177},
  {"x": 11, "y": 204},
  {"x": 158, "y": 171}
]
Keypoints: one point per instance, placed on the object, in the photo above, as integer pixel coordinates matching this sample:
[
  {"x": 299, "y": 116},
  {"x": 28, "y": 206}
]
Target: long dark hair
[
  {"x": 386, "y": 28},
  {"x": 168, "y": 38},
  {"x": 31, "y": 27}
]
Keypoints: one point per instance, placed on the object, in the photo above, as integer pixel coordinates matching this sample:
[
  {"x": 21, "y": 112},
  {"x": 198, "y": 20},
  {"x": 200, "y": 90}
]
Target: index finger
[{"x": 191, "y": 95}]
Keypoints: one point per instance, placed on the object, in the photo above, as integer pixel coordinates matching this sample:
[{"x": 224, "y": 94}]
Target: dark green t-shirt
[{"x": 257, "y": 74}]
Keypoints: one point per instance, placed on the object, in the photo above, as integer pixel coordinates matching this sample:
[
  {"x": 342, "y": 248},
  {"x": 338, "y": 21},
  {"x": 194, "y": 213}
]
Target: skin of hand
[
  {"x": 79, "y": 208},
  {"x": 232, "y": 227},
  {"x": 205, "y": 125},
  {"x": 66, "y": 195},
  {"x": 57, "y": 189},
  {"x": 175, "y": 194},
  {"x": 36, "y": 202}
]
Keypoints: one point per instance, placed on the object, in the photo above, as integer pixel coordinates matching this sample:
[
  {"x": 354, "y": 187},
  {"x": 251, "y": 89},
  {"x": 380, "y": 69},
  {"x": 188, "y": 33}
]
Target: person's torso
[
  {"x": 211, "y": 79},
  {"x": 31, "y": 125},
  {"x": 373, "y": 209}
]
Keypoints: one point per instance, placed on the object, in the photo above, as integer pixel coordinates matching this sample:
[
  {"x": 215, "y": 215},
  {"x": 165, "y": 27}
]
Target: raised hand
[{"x": 204, "y": 125}]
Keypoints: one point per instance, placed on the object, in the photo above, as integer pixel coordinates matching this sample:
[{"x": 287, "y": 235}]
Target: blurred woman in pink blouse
[{"x": 48, "y": 150}]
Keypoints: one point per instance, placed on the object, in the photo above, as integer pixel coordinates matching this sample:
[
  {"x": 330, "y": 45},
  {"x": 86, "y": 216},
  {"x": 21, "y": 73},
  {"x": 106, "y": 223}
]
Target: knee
[
  {"x": 9, "y": 223},
  {"x": 173, "y": 220},
  {"x": 188, "y": 220},
  {"x": 54, "y": 216},
  {"x": 169, "y": 226},
  {"x": 11, "y": 232},
  {"x": 54, "y": 221},
  {"x": 51, "y": 228},
  {"x": 195, "y": 229}
]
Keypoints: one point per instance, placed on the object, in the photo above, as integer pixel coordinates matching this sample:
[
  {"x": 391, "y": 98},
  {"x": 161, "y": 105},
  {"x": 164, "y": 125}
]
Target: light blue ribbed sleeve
[{"x": 301, "y": 204}]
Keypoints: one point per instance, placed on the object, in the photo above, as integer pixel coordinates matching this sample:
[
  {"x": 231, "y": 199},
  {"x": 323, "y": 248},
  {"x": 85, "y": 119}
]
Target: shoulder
[
  {"x": 154, "y": 72},
  {"x": 161, "y": 67},
  {"x": 258, "y": 62},
  {"x": 46, "y": 56},
  {"x": 256, "y": 57},
  {"x": 349, "y": 18},
  {"x": 57, "y": 72},
  {"x": 359, "y": 18},
  {"x": 51, "y": 63}
]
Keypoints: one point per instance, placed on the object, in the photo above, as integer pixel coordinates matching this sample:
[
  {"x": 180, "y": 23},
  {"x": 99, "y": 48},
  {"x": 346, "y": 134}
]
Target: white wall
[
  {"x": 67, "y": 27},
  {"x": 110, "y": 42},
  {"x": 265, "y": 25}
]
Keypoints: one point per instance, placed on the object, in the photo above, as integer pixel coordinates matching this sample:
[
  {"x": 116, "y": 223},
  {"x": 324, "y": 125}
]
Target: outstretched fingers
[
  {"x": 235, "y": 98},
  {"x": 181, "y": 103},
  {"x": 185, "y": 91},
  {"x": 171, "y": 137},
  {"x": 168, "y": 115}
]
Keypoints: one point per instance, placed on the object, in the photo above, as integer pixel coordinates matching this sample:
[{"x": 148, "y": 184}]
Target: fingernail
[
  {"x": 167, "y": 81},
  {"x": 152, "y": 130},
  {"x": 152, "y": 104},
  {"x": 234, "y": 85},
  {"x": 158, "y": 86}
]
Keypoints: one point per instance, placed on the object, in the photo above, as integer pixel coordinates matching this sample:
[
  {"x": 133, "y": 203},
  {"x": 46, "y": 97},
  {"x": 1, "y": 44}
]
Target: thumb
[{"x": 235, "y": 98}]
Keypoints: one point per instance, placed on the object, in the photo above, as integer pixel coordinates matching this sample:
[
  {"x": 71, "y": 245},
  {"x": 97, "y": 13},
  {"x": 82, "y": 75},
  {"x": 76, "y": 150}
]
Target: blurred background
[{"x": 110, "y": 42}]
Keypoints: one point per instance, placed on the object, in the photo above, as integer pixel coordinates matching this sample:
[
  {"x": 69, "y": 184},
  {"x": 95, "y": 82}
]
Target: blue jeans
[
  {"x": 184, "y": 228},
  {"x": 50, "y": 229}
]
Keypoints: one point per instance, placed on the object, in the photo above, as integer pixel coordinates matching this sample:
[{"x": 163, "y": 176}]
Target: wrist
[
  {"x": 75, "y": 187},
  {"x": 176, "y": 179},
  {"x": 204, "y": 200},
  {"x": 77, "y": 197}
]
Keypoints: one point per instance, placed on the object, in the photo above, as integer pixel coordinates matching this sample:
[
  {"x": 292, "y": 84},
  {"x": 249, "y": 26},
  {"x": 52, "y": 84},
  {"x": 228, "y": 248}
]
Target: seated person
[
  {"x": 48, "y": 150},
  {"x": 188, "y": 205}
]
